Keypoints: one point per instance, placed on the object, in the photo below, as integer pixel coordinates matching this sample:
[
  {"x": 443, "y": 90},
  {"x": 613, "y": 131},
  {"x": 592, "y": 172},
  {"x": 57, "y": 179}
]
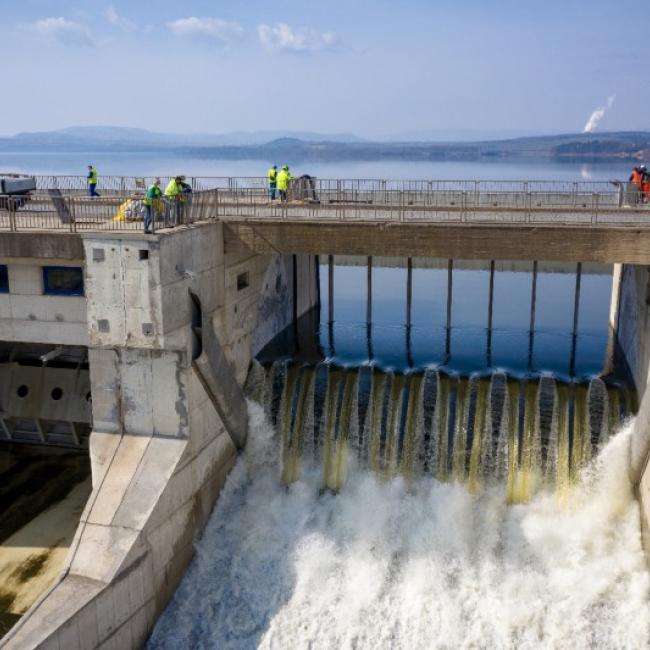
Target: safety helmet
[
  {"x": 285, "y": 168},
  {"x": 642, "y": 168}
]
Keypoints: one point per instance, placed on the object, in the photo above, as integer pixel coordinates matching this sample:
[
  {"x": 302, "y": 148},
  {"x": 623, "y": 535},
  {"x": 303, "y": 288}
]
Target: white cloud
[
  {"x": 66, "y": 32},
  {"x": 211, "y": 28},
  {"x": 119, "y": 21},
  {"x": 282, "y": 37}
]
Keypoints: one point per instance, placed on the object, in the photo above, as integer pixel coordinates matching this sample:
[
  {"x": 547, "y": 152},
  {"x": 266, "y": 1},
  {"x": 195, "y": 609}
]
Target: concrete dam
[{"x": 340, "y": 466}]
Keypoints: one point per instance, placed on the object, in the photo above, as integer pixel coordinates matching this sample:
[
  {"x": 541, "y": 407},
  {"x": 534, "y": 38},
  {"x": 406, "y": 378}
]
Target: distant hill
[
  {"x": 604, "y": 146},
  {"x": 302, "y": 146},
  {"x": 117, "y": 137}
]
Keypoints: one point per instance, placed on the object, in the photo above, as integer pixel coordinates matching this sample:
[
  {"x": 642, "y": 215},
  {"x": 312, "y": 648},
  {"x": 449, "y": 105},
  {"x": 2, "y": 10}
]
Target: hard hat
[
  {"x": 642, "y": 168},
  {"x": 275, "y": 166},
  {"x": 285, "y": 167}
]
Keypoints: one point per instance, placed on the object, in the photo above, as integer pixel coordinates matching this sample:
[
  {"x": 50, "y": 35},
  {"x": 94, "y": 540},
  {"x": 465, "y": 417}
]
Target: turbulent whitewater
[{"x": 412, "y": 562}]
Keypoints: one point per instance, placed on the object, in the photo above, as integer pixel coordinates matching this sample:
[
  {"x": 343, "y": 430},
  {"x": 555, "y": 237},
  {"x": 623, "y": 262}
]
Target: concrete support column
[
  {"x": 409, "y": 305},
  {"x": 576, "y": 313},
  {"x": 490, "y": 316},
  {"x": 614, "y": 311},
  {"x": 305, "y": 284},
  {"x": 533, "y": 306},
  {"x": 330, "y": 302},
  {"x": 450, "y": 273},
  {"x": 369, "y": 308}
]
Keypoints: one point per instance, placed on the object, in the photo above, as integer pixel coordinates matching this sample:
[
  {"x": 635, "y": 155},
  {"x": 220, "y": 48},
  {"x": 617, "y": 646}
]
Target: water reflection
[
  {"x": 464, "y": 317},
  {"x": 458, "y": 316}
]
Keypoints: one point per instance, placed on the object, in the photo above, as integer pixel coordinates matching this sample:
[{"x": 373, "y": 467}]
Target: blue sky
[{"x": 373, "y": 68}]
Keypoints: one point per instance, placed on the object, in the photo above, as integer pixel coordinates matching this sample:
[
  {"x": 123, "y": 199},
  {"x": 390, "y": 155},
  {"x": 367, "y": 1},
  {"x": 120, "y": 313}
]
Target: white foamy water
[{"x": 385, "y": 565}]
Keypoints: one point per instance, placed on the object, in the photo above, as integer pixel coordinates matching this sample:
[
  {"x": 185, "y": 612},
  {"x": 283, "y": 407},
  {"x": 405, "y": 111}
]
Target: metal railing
[
  {"x": 55, "y": 208},
  {"x": 122, "y": 184},
  {"x": 125, "y": 212}
]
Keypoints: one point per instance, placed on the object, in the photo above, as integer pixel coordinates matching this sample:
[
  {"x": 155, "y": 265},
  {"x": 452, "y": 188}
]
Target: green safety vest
[
  {"x": 93, "y": 176},
  {"x": 273, "y": 175},
  {"x": 153, "y": 193}
]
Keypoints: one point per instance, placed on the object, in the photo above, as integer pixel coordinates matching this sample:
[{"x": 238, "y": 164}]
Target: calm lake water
[
  {"x": 138, "y": 164},
  {"x": 470, "y": 346}
]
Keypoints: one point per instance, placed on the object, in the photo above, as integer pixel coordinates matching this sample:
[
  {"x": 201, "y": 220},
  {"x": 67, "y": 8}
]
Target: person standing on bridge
[
  {"x": 92, "y": 181},
  {"x": 645, "y": 186},
  {"x": 283, "y": 182},
  {"x": 151, "y": 202},
  {"x": 273, "y": 181},
  {"x": 636, "y": 179},
  {"x": 174, "y": 194}
]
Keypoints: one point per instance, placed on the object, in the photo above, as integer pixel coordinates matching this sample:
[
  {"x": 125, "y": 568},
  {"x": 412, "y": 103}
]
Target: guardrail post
[
  {"x": 575, "y": 194},
  {"x": 11, "y": 205},
  {"x": 594, "y": 215},
  {"x": 73, "y": 216},
  {"x": 529, "y": 206},
  {"x": 463, "y": 206},
  {"x": 216, "y": 204}
]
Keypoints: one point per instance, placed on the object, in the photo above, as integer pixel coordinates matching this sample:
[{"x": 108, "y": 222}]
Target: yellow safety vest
[
  {"x": 173, "y": 189},
  {"x": 93, "y": 176},
  {"x": 283, "y": 180},
  {"x": 273, "y": 175}
]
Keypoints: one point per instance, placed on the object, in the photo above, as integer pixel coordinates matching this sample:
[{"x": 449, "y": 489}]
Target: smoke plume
[{"x": 597, "y": 115}]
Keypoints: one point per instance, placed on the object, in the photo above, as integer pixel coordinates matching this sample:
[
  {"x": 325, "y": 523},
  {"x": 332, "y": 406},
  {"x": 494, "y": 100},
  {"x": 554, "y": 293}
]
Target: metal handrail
[
  {"x": 496, "y": 202},
  {"x": 118, "y": 183}
]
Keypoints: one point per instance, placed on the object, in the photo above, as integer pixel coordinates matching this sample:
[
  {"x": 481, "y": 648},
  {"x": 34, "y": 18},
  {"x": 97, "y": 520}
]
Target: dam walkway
[{"x": 551, "y": 220}]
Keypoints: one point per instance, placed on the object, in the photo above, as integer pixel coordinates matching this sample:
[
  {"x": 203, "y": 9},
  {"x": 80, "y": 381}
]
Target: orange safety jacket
[
  {"x": 636, "y": 178},
  {"x": 645, "y": 189}
]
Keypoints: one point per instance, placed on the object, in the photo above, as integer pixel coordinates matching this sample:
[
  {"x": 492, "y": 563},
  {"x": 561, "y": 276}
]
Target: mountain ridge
[{"x": 626, "y": 145}]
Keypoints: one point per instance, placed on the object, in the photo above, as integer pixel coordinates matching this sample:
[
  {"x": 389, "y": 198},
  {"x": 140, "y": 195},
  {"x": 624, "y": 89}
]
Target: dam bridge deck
[{"x": 588, "y": 221}]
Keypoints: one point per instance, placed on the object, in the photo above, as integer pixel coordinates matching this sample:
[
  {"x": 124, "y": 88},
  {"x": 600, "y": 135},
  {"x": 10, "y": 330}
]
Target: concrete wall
[
  {"x": 451, "y": 240},
  {"x": 159, "y": 450},
  {"x": 27, "y": 315},
  {"x": 632, "y": 324}
]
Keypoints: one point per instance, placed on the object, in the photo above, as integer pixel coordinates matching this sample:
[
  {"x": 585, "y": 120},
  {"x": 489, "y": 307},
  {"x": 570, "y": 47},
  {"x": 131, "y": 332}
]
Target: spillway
[
  {"x": 411, "y": 562},
  {"x": 376, "y": 509},
  {"x": 525, "y": 434}
]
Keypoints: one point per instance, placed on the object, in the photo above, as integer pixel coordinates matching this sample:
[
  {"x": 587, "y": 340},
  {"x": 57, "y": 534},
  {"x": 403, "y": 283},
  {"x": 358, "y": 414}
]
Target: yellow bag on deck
[{"x": 121, "y": 214}]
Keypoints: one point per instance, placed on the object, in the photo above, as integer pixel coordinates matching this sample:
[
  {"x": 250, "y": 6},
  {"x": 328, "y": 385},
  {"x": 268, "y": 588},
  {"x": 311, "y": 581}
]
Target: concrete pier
[
  {"x": 630, "y": 321},
  {"x": 168, "y": 414}
]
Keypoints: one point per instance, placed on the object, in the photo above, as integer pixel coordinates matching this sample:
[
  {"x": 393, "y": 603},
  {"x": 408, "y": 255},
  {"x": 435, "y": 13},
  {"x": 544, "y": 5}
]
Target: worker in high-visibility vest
[
  {"x": 283, "y": 182},
  {"x": 637, "y": 178},
  {"x": 273, "y": 181},
  {"x": 151, "y": 201},
  {"x": 92, "y": 181},
  {"x": 174, "y": 194}
]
